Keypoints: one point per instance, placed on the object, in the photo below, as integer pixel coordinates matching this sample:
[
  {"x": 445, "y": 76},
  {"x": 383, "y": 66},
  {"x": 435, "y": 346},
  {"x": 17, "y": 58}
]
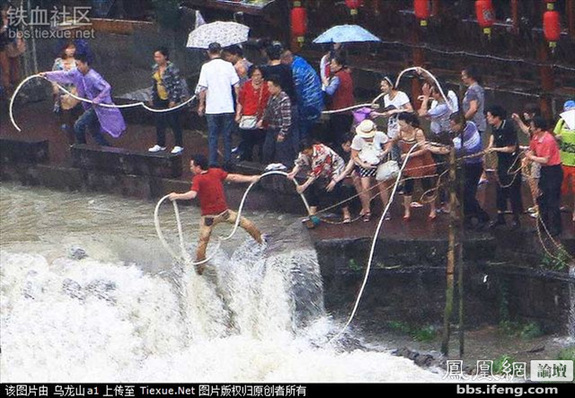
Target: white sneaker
[
  {"x": 177, "y": 150},
  {"x": 157, "y": 148}
]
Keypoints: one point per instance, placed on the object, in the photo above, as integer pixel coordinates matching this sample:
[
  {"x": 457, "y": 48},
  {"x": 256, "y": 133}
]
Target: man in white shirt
[{"x": 214, "y": 89}]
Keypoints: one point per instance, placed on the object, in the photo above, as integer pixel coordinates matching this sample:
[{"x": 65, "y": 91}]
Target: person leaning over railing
[
  {"x": 544, "y": 150},
  {"x": 466, "y": 141},
  {"x": 325, "y": 175},
  {"x": 503, "y": 141},
  {"x": 420, "y": 165}
]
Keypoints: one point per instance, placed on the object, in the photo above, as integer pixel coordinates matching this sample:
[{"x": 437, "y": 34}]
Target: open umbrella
[
  {"x": 225, "y": 33},
  {"x": 569, "y": 117},
  {"x": 345, "y": 34}
]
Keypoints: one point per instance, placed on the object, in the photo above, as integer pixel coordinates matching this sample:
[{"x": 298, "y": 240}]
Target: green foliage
[
  {"x": 560, "y": 262},
  {"x": 567, "y": 353},
  {"x": 353, "y": 265},
  {"x": 426, "y": 333},
  {"x": 501, "y": 365},
  {"x": 422, "y": 334},
  {"x": 530, "y": 331},
  {"x": 526, "y": 331},
  {"x": 399, "y": 326}
]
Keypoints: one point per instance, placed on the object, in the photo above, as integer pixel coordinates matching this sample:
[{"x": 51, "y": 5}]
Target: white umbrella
[
  {"x": 225, "y": 33},
  {"x": 346, "y": 34},
  {"x": 569, "y": 117}
]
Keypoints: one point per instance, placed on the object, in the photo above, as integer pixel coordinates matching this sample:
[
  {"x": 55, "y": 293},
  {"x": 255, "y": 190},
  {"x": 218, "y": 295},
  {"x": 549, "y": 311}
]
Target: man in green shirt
[{"x": 566, "y": 137}]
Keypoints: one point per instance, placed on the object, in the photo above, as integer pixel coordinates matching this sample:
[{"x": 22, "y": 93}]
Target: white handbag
[
  {"x": 248, "y": 122},
  {"x": 387, "y": 171}
]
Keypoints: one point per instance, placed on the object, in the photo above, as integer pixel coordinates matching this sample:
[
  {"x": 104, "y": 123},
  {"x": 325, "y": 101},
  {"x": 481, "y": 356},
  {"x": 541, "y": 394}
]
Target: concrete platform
[{"x": 408, "y": 276}]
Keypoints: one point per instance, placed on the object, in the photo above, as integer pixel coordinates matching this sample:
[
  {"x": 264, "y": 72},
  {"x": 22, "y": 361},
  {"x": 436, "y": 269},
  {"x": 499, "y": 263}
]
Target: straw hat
[{"x": 366, "y": 129}]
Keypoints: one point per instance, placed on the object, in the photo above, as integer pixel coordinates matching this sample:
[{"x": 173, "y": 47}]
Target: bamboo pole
[
  {"x": 451, "y": 253},
  {"x": 459, "y": 232}
]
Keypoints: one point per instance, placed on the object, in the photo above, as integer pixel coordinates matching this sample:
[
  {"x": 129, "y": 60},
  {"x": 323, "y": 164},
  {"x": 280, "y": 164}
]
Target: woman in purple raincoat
[{"x": 92, "y": 86}]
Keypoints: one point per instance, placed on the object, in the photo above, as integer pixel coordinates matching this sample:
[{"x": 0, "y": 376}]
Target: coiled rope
[{"x": 185, "y": 257}]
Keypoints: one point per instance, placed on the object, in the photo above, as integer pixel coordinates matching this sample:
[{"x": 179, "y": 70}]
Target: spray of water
[
  {"x": 93, "y": 321},
  {"x": 124, "y": 313}
]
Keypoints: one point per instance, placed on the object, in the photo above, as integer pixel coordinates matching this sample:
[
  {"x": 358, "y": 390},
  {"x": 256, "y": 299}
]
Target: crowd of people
[
  {"x": 282, "y": 122},
  {"x": 276, "y": 107}
]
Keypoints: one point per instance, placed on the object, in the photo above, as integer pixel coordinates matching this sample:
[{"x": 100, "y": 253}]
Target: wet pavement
[{"x": 38, "y": 122}]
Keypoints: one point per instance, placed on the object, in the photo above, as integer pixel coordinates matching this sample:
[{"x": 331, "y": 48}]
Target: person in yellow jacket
[{"x": 566, "y": 137}]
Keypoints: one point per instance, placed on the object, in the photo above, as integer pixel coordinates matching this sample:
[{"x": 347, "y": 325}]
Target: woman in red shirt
[
  {"x": 252, "y": 100},
  {"x": 544, "y": 150}
]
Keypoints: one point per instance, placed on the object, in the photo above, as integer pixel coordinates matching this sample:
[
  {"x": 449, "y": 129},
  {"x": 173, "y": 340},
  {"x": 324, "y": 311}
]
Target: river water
[{"x": 125, "y": 312}]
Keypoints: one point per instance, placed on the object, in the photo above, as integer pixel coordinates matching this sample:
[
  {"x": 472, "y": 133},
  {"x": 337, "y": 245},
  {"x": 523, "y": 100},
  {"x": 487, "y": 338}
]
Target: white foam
[{"x": 97, "y": 321}]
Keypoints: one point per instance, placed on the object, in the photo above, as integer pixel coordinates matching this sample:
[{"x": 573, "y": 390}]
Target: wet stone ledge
[
  {"x": 126, "y": 162},
  {"x": 23, "y": 151}
]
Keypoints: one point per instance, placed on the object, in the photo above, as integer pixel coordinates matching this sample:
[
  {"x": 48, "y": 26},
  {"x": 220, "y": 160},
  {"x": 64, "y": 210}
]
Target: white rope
[
  {"x": 417, "y": 68},
  {"x": 125, "y": 106},
  {"x": 184, "y": 257},
  {"x": 373, "y": 243},
  {"x": 373, "y": 104},
  {"x": 351, "y": 108}
]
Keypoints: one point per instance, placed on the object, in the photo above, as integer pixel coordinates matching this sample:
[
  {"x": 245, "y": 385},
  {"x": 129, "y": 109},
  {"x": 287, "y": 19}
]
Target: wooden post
[
  {"x": 418, "y": 60},
  {"x": 459, "y": 234},
  {"x": 547, "y": 81},
  {"x": 515, "y": 15},
  {"x": 451, "y": 253},
  {"x": 570, "y": 11}
]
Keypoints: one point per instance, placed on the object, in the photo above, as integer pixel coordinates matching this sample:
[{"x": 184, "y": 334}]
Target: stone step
[{"x": 124, "y": 161}]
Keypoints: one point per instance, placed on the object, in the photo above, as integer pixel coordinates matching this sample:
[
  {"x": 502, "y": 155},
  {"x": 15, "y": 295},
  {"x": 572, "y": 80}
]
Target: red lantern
[
  {"x": 485, "y": 15},
  {"x": 353, "y": 5},
  {"x": 298, "y": 22},
  {"x": 422, "y": 11},
  {"x": 551, "y": 27}
]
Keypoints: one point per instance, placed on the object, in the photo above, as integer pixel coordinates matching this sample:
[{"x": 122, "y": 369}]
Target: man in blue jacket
[{"x": 308, "y": 90}]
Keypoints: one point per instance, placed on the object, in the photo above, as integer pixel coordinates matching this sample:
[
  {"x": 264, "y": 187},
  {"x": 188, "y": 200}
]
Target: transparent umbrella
[
  {"x": 346, "y": 34},
  {"x": 225, "y": 33}
]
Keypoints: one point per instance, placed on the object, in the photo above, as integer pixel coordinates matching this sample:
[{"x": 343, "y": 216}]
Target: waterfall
[{"x": 122, "y": 312}]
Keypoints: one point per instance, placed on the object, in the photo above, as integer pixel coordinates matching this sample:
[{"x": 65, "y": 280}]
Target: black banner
[{"x": 121, "y": 390}]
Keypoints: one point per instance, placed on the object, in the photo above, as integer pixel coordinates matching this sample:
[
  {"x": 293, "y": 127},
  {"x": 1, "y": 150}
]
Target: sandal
[
  {"x": 347, "y": 220},
  {"x": 367, "y": 217},
  {"x": 406, "y": 218}
]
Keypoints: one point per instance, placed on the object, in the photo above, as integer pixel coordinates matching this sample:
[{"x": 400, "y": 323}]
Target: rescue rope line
[
  {"x": 373, "y": 243},
  {"x": 114, "y": 106},
  {"x": 184, "y": 256}
]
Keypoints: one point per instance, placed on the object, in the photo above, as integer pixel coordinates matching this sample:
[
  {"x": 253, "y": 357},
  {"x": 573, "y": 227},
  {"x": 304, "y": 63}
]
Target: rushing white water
[{"x": 125, "y": 313}]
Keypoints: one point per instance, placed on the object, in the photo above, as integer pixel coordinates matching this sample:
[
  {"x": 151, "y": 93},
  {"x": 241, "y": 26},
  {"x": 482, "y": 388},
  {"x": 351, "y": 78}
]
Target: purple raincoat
[{"x": 92, "y": 86}]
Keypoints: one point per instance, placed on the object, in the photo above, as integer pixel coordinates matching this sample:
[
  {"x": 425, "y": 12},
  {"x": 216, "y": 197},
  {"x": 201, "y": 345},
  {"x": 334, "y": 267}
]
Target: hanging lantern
[
  {"x": 422, "y": 11},
  {"x": 485, "y": 15},
  {"x": 550, "y": 4},
  {"x": 298, "y": 21},
  {"x": 552, "y": 27},
  {"x": 353, "y": 5}
]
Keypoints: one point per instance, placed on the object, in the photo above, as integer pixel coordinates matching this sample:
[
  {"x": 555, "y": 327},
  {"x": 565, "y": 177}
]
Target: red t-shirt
[
  {"x": 210, "y": 191},
  {"x": 253, "y": 101},
  {"x": 547, "y": 147}
]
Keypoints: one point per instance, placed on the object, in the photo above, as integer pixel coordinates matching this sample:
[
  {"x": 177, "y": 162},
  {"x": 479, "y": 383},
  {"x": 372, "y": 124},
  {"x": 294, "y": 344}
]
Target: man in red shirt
[
  {"x": 207, "y": 186},
  {"x": 544, "y": 150}
]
